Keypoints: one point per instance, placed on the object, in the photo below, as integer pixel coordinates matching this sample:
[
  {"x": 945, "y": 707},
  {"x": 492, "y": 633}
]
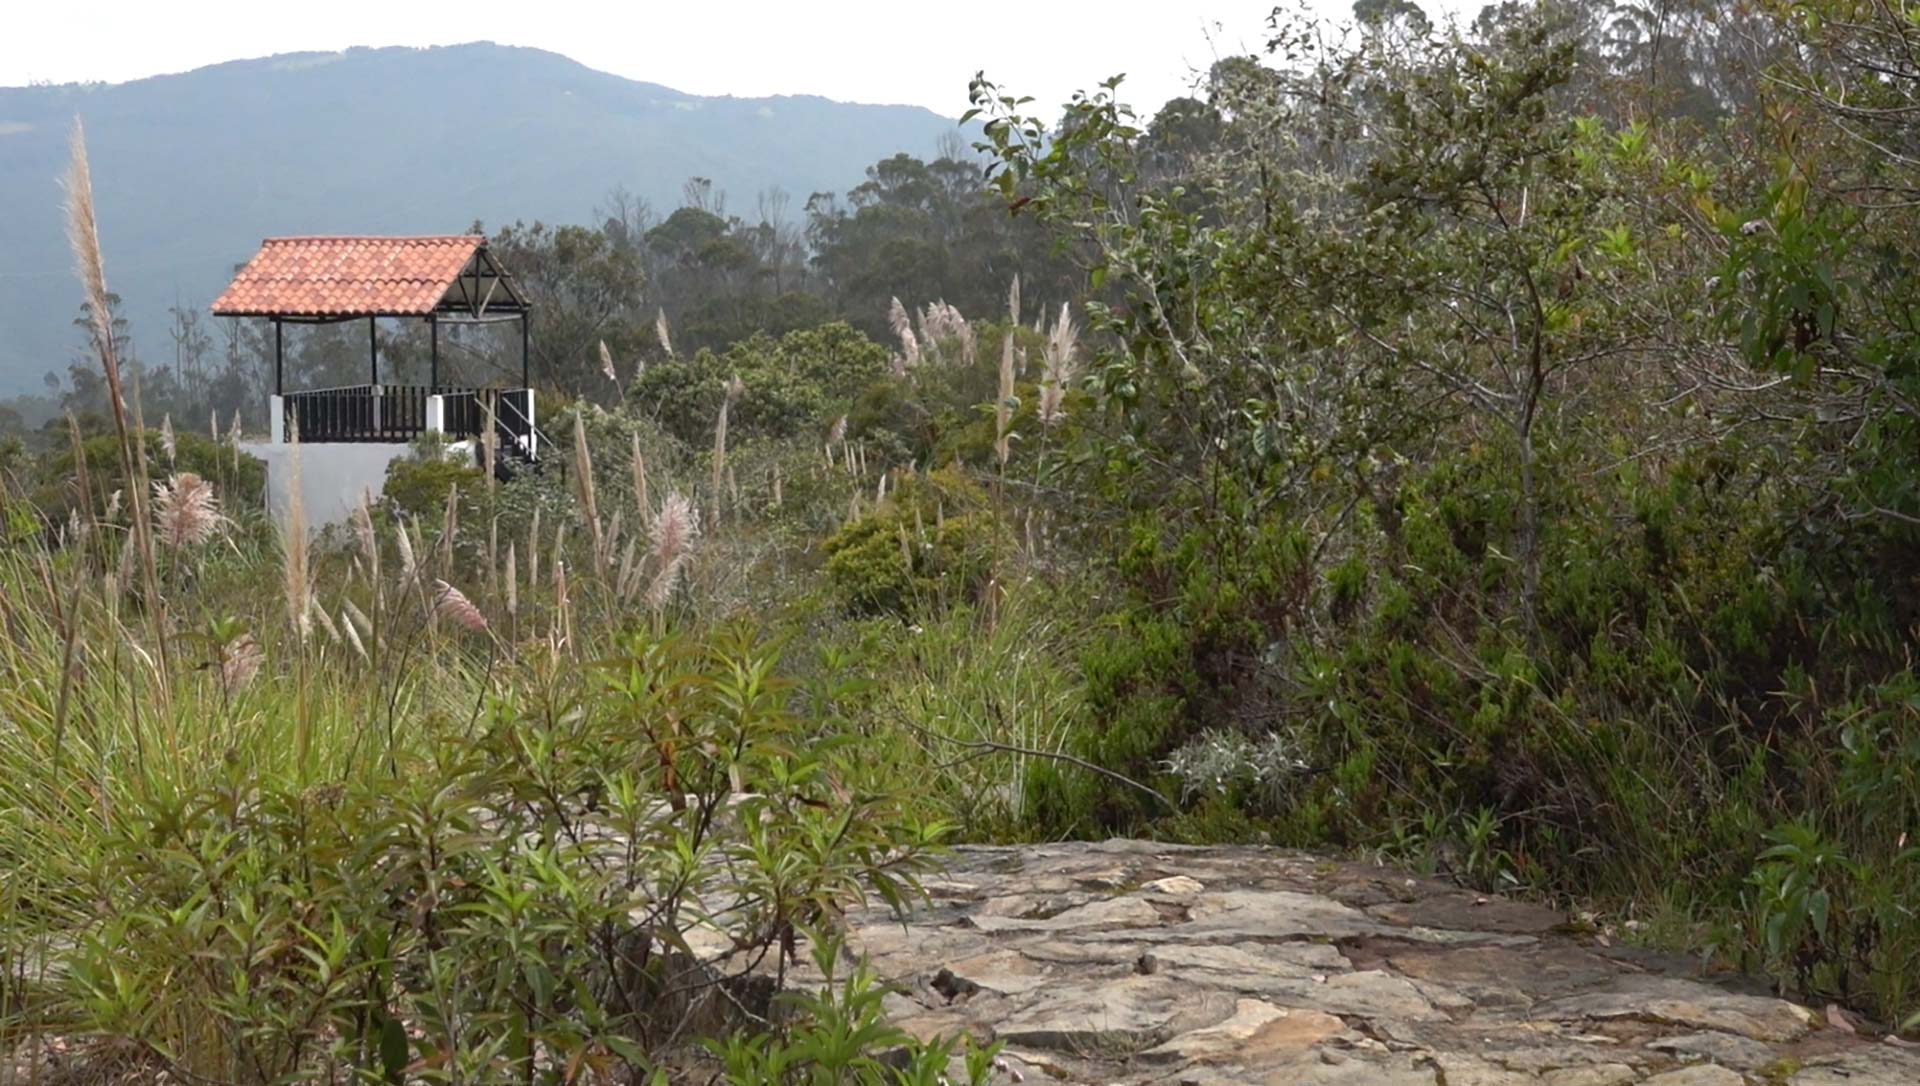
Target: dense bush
[
  {"x": 794, "y": 384},
  {"x": 239, "y": 478},
  {"x": 932, "y": 541},
  {"x": 418, "y": 483},
  {"x": 1485, "y": 490}
]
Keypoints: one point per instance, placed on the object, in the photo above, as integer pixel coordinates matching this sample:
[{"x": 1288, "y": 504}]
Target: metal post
[
  {"x": 279, "y": 388},
  {"x": 373, "y": 353},
  {"x": 433, "y": 378},
  {"x": 526, "y": 380}
]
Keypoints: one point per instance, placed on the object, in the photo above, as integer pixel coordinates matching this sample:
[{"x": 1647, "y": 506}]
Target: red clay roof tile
[{"x": 347, "y": 276}]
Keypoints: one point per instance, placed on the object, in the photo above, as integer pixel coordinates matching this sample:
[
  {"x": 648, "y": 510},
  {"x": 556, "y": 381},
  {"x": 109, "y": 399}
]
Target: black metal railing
[
  {"x": 397, "y": 413},
  {"x": 357, "y": 413}
]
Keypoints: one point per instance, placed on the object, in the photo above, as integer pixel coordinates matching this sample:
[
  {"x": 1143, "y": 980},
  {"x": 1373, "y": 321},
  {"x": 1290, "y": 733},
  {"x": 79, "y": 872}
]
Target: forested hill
[{"x": 192, "y": 170}]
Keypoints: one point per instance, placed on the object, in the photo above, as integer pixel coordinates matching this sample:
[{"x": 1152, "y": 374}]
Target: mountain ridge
[{"x": 192, "y": 169}]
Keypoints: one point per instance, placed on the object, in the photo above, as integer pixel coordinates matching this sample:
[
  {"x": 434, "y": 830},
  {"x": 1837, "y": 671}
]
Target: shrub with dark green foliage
[
  {"x": 933, "y": 540},
  {"x": 239, "y": 479},
  {"x": 419, "y": 482},
  {"x": 794, "y": 384}
]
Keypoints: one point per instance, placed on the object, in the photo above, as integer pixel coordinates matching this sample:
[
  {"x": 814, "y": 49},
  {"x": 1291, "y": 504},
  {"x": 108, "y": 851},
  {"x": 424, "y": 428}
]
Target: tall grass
[{"x": 985, "y": 700}]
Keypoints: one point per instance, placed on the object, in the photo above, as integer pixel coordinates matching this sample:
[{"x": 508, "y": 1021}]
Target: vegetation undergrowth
[{"x": 1487, "y": 449}]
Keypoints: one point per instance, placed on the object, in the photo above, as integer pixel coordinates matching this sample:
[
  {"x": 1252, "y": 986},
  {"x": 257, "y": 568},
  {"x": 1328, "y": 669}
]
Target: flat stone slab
[{"x": 1131, "y": 963}]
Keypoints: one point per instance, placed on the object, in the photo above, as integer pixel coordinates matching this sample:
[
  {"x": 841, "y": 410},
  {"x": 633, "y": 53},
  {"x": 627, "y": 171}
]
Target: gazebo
[{"x": 436, "y": 278}]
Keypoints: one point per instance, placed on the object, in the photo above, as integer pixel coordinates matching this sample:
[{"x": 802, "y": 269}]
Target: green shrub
[
  {"x": 793, "y": 385},
  {"x": 418, "y": 483},
  {"x": 239, "y": 480},
  {"x": 491, "y": 898},
  {"x": 932, "y": 541}
]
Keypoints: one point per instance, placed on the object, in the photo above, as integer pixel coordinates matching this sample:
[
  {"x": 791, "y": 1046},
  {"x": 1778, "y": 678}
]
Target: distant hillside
[{"x": 190, "y": 171}]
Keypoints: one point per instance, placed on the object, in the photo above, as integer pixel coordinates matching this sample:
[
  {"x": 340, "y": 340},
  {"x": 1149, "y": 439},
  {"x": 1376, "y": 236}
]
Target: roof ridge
[
  {"x": 373, "y": 237},
  {"x": 346, "y": 274}
]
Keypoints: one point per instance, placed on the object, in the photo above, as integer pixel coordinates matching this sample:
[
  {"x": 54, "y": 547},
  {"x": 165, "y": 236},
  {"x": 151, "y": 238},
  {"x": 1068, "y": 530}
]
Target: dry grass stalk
[
  {"x": 629, "y": 577},
  {"x": 363, "y": 533},
  {"x": 409, "y": 563},
  {"x": 583, "y": 468},
  {"x": 513, "y": 583},
  {"x": 294, "y": 544},
  {"x": 776, "y": 486},
  {"x": 77, "y": 529},
  {"x": 353, "y": 635},
  {"x": 356, "y": 617},
  {"x": 660, "y": 332},
  {"x": 1062, "y": 366},
  {"x": 902, "y": 326},
  {"x": 675, "y": 532},
  {"x": 1013, "y": 301},
  {"x": 449, "y": 524},
  {"x": 168, "y": 443},
  {"x": 941, "y": 322},
  {"x": 320, "y": 614},
  {"x": 640, "y": 484},
  {"x": 734, "y": 389},
  {"x": 493, "y": 555},
  {"x": 533, "y": 549},
  {"x": 1003, "y": 409},
  {"x": 113, "y": 506},
  {"x": 929, "y": 339},
  {"x": 606, "y": 364},
  {"x": 83, "y": 234},
  {"x": 969, "y": 342},
  {"x": 185, "y": 511},
  {"x": 489, "y": 440},
  {"x": 563, "y": 612}
]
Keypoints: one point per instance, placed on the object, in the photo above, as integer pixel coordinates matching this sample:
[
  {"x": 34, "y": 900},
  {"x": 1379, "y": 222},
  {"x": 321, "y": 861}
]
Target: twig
[{"x": 990, "y": 746}]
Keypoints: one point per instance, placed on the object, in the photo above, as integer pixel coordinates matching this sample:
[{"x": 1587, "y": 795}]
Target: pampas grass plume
[
  {"x": 185, "y": 511},
  {"x": 675, "y": 532},
  {"x": 453, "y": 604},
  {"x": 239, "y": 662}
]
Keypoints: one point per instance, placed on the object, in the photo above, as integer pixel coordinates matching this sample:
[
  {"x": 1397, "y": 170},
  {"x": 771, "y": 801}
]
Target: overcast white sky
[{"x": 901, "y": 51}]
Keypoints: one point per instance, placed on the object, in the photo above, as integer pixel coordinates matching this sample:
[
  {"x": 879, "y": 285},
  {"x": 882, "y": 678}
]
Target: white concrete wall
[{"x": 332, "y": 477}]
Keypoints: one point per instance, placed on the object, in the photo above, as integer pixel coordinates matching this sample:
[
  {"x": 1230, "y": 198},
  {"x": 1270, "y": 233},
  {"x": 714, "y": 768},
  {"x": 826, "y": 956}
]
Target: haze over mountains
[{"x": 191, "y": 171}]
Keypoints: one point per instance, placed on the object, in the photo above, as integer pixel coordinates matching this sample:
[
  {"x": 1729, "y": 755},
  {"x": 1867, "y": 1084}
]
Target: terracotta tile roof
[{"x": 347, "y": 276}]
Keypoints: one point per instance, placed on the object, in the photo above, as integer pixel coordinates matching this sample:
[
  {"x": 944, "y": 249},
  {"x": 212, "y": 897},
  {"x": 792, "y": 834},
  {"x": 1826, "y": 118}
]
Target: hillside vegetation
[{"x": 1494, "y": 451}]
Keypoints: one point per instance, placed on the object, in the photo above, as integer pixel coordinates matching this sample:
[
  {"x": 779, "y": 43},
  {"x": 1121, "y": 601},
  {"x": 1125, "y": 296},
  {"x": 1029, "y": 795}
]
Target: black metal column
[
  {"x": 526, "y": 380},
  {"x": 373, "y": 352},
  {"x": 279, "y": 388},
  {"x": 433, "y": 378}
]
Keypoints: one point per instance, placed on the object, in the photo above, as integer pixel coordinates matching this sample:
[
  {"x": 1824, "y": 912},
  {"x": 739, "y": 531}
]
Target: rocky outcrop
[{"x": 1138, "y": 963}]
